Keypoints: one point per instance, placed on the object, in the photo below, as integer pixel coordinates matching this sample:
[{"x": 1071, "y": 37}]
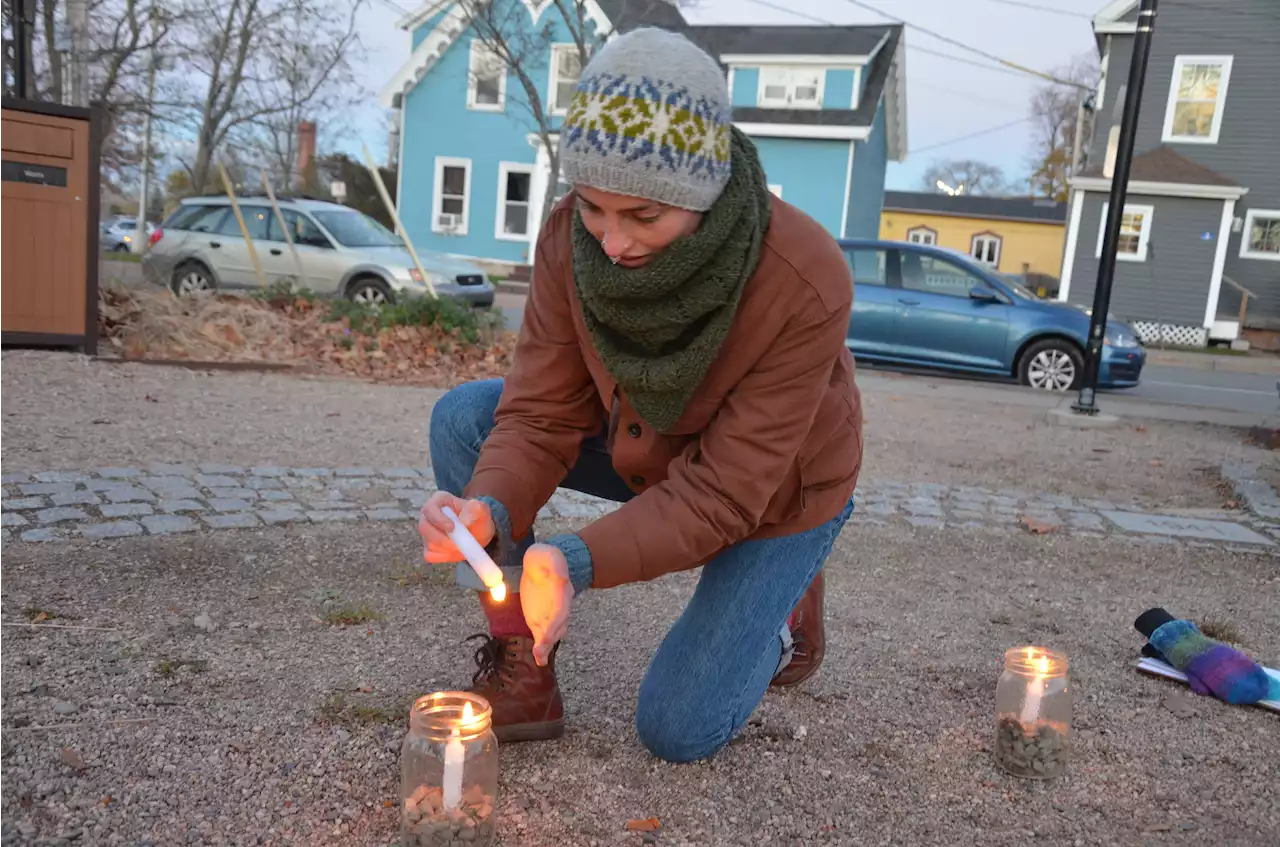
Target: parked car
[
  {"x": 924, "y": 306},
  {"x": 343, "y": 252},
  {"x": 117, "y": 234}
]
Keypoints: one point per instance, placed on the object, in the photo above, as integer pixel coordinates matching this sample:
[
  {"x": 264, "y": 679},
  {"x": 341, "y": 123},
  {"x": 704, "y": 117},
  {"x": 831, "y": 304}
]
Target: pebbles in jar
[
  {"x": 1040, "y": 753},
  {"x": 429, "y": 824}
]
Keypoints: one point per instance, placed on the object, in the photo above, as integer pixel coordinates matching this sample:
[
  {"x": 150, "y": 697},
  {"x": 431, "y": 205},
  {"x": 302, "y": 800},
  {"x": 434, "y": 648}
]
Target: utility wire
[
  {"x": 977, "y": 134},
  {"x": 949, "y": 40}
]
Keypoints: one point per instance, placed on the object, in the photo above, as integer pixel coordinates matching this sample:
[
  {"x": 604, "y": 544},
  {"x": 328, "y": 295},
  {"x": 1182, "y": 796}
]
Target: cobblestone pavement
[{"x": 165, "y": 499}]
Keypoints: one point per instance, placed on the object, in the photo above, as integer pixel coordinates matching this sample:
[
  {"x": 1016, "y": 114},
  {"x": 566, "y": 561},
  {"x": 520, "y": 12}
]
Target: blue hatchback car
[{"x": 924, "y": 306}]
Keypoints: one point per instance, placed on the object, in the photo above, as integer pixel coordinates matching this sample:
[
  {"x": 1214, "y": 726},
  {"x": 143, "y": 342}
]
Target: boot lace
[{"x": 493, "y": 668}]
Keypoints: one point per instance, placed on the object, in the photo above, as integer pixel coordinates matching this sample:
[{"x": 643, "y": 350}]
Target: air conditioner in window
[{"x": 448, "y": 222}]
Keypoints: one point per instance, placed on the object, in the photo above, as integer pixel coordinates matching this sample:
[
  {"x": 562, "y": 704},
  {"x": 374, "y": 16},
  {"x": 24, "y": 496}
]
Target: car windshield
[{"x": 354, "y": 229}]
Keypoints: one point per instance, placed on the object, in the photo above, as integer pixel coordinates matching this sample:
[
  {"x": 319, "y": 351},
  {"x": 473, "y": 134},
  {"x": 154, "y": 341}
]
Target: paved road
[{"x": 1238, "y": 392}]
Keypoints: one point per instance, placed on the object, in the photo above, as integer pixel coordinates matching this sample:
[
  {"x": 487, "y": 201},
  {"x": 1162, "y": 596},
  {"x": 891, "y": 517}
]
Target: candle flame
[
  {"x": 467, "y": 714},
  {"x": 498, "y": 592},
  {"x": 1042, "y": 664}
]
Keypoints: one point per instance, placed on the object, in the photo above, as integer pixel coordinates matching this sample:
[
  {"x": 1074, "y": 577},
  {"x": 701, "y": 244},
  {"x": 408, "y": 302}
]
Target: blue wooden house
[{"x": 825, "y": 105}]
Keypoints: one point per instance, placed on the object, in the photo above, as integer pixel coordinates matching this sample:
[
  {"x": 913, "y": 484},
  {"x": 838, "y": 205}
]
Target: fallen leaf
[
  {"x": 72, "y": 759},
  {"x": 43, "y": 616},
  {"x": 1155, "y": 463},
  {"x": 388, "y": 804},
  {"x": 644, "y": 825},
  {"x": 1036, "y": 526},
  {"x": 1140, "y": 428},
  {"x": 106, "y": 801}
]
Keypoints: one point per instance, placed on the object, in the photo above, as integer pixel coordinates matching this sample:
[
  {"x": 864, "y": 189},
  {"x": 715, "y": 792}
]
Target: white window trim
[
  {"x": 933, "y": 235},
  {"x": 763, "y": 103},
  {"x": 505, "y": 169},
  {"x": 776, "y": 189},
  {"x": 1245, "y": 252},
  {"x": 1172, "y": 102},
  {"x": 987, "y": 236},
  {"x": 478, "y": 49},
  {"x": 437, "y": 197},
  {"x": 1148, "y": 215},
  {"x": 553, "y": 82}
]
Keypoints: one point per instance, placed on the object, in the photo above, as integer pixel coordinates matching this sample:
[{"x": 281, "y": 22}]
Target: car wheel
[
  {"x": 120, "y": 248},
  {"x": 192, "y": 278},
  {"x": 370, "y": 291},
  {"x": 1051, "y": 365}
]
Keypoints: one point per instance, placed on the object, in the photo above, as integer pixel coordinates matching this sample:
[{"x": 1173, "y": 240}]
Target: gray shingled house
[{"x": 1202, "y": 214}]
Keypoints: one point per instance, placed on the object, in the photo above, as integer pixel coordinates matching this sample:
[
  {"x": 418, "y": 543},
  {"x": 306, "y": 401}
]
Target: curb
[{"x": 1261, "y": 365}]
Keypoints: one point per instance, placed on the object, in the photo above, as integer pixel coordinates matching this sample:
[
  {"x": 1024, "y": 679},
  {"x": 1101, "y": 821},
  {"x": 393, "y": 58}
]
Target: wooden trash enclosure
[{"x": 49, "y": 272}]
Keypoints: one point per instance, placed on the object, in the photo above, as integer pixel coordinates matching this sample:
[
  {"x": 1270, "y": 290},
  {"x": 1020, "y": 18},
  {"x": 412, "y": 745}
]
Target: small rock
[
  {"x": 800, "y": 733},
  {"x": 343, "y": 735},
  {"x": 63, "y": 707},
  {"x": 204, "y": 622},
  {"x": 1179, "y": 704},
  {"x": 72, "y": 759}
]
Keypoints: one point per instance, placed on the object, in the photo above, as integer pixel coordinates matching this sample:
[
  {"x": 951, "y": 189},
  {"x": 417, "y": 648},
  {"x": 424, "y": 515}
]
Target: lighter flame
[{"x": 498, "y": 592}]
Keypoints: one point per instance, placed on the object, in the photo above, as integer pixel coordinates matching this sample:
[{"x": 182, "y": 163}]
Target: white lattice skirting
[{"x": 1187, "y": 336}]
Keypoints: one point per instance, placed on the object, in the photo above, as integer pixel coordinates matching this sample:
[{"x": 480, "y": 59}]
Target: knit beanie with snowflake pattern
[{"x": 650, "y": 118}]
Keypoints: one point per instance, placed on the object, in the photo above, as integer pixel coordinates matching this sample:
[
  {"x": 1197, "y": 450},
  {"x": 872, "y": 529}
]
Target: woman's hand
[
  {"x": 546, "y": 595},
  {"x": 434, "y": 526}
]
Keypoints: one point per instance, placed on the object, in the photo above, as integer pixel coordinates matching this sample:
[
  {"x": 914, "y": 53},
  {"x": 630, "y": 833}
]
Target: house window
[
  {"x": 985, "y": 247},
  {"x": 1261, "y": 239},
  {"x": 566, "y": 69},
  {"x": 776, "y": 190},
  {"x": 1197, "y": 95},
  {"x": 487, "y": 79},
  {"x": 1135, "y": 232},
  {"x": 790, "y": 88},
  {"x": 452, "y": 196},
  {"x": 515, "y": 184},
  {"x": 922, "y": 235}
]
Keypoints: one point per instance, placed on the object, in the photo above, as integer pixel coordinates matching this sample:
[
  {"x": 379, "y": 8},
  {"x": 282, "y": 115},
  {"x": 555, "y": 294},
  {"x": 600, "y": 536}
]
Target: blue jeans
[{"x": 716, "y": 662}]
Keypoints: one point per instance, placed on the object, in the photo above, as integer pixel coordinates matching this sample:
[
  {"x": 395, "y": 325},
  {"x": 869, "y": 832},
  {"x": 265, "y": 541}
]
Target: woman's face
[{"x": 632, "y": 230}]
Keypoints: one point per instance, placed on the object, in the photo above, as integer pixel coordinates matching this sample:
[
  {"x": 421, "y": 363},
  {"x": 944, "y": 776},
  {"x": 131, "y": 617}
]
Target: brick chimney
[{"x": 306, "y": 148}]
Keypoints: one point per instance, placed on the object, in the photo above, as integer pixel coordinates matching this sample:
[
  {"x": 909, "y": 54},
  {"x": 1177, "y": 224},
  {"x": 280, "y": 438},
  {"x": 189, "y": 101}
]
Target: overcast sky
[{"x": 946, "y": 99}]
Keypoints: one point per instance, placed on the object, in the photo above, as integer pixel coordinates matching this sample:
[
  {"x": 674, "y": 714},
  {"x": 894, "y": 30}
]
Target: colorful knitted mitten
[{"x": 1211, "y": 666}]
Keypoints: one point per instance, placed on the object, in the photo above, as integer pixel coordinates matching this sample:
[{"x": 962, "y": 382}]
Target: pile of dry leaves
[{"x": 156, "y": 325}]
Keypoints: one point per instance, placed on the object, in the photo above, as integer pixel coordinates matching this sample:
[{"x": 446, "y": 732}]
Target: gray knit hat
[{"x": 650, "y": 118}]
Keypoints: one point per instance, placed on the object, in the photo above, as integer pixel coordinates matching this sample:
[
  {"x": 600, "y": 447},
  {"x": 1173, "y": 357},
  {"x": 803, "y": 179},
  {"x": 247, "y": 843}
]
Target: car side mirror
[{"x": 983, "y": 295}]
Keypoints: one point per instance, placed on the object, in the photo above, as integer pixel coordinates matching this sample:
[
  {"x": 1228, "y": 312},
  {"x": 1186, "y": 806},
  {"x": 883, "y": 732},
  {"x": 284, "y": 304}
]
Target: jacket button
[
  {"x": 634, "y": 430},
  {"x": 637, "y": 480}
]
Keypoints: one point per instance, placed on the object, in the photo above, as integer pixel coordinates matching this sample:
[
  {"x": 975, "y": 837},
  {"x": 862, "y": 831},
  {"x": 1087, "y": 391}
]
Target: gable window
[
  {"x": 922, "y": 235},
  {"x": 790, "y": 88},
  {"x": 1135, "y": 232},
  {"x": 486, "y": 79},
  {"x": 566, "y": 69},
  {"x": 985, "y": 247},
  {"x": 1197, "y": 95},
  {"x": 452, "y": 200},
  {"x": 1261, "y": 238},
  {"x": 515, "y": 185}
]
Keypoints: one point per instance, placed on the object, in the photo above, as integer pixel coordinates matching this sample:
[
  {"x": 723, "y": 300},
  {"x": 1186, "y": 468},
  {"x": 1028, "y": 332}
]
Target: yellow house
[{"x": 1015, "y": 235}]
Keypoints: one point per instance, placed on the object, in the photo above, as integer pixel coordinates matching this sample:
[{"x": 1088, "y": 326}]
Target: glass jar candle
[
  {"x": 1033, "y": 713},
  {"x": 448, "y": 772}
]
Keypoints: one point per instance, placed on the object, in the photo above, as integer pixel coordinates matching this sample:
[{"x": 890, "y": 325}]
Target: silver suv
[{"x": 343, "y": 253}]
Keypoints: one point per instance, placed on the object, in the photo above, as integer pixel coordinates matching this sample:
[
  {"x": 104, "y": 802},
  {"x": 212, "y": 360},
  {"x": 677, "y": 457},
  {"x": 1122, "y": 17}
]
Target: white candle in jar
[
  {"x": 454, "y": 756},
  {"x": 1035, "y": 688}
]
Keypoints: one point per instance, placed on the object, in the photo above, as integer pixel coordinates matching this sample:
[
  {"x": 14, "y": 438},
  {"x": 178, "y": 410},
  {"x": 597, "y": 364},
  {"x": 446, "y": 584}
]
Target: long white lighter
[{"x": 490, "y": 574}]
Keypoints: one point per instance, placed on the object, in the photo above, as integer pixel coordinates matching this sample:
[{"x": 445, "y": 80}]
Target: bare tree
[
  {"x": 1055, "y": 112},
  {"x": 260, "y": 66},
  {"x": 966, "y": 176},
  {"x": 519, "y": 47}
]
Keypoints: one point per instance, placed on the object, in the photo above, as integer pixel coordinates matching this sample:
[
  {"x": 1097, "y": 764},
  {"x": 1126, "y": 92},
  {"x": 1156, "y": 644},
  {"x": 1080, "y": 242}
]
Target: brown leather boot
[
  {"x": 809, "y": 636},
  {"x": 525, "y": 698}
]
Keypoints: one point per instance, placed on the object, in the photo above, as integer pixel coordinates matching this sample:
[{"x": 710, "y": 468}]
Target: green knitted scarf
[{"x": 658, "y": 327}]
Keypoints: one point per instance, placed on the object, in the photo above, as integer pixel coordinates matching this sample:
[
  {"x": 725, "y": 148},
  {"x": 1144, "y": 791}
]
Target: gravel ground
[
  {"x": 887, "y": 745},
  {"x": 67, "y": 413}
]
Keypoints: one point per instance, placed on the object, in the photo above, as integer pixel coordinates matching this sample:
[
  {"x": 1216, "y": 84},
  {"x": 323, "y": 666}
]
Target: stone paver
[
  {"x": 185, "y": 498},
  {"x": 232, "y": 520},
  {"x": 60, "y": 513},
  {"x": 113, "y": 529},
  {"x": 125, "y": 510},
  {"x": 167, "y": 524}
]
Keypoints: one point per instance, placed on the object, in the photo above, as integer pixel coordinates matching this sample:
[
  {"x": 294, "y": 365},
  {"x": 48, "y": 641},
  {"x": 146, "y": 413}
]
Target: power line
[
  {"x": 949, "y": 40},
  {"x": 915, "y": 47},
  {"x": 977, "y": 134},
  {"x": 976, "y": 97}
]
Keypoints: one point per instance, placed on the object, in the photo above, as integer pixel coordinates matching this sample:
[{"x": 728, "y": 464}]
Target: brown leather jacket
[{"x": 770, "y": 444}]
